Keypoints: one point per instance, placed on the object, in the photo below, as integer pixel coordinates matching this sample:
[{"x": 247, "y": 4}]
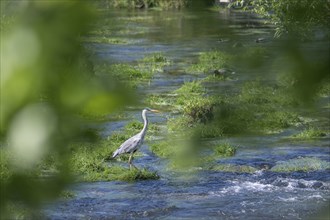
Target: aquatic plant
[
  {"x": 256, "y": 108},
  {"x": 163, "y": 100},
  {"x": 191, "y": 93},
  {"x": 164, "y": 4},
  {"x": 105, "y": 40},
  {"x": 154, "y": 62},
  {"x": 301, "y": 164},
  {"x": 310, "y": 133},
  {"x": 126, "y": 71},
  {"x": 66, "y": 194},
  {"x": 224, "y": 150},
  {"x": 167, "y": 4},
  {"x": 164, "y": 149},
  {"x": 233, "y": 168},
  {"x": 89, "y": 161},
  {"x": 269, "y": 107},
  {"x": 210, "y": 61},
  {"x": 178, "y": 124},
  {"x": 156, "y": 58},
  {"x": 209, "y": 130},
  {"x": 199, "y": 109},
  {"x": 119, "y": 173},
  {"x": 191, "y": 88}
]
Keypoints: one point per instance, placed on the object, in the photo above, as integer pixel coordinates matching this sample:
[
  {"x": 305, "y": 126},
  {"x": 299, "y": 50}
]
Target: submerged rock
[
  {"x": 223, "y": 72},
  {"x": 260, "y": 40}
]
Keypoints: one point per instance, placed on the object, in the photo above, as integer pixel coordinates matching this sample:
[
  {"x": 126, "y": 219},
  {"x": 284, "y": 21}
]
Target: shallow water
[{"x": 264, "y": 194}]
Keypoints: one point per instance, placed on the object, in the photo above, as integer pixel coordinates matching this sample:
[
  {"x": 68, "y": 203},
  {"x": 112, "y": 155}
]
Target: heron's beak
[{"x": 156, "y": 111}]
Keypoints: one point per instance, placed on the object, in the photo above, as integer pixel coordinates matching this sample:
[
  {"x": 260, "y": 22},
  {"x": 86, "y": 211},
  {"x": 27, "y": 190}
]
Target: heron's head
[{"x": 151, "y": 110}]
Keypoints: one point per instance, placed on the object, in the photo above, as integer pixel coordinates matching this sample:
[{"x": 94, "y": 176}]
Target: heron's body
[{"x": 131, "y": 145}]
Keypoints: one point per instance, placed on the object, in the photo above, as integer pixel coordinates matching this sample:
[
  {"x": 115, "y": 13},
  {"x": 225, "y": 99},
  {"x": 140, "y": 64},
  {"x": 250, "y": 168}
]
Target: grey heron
[{"x": 131, "y": 145}]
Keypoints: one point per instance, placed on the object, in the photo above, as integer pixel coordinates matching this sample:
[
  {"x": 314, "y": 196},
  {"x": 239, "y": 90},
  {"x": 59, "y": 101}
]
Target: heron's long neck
[{"x": 145, "y": 126}]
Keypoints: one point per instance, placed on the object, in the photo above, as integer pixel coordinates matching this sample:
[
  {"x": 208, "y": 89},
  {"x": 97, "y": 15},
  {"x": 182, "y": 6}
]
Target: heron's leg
[{"x": 130, "y": 159}]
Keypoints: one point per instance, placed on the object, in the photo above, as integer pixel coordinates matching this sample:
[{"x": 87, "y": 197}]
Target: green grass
[
  {"x": 191, "y": 88},
  {"x": 179, "y": 124},
  {"x": 310, "y": 133},
  {"x": 105, "y": 40},
  {"x": 161, "y": 100},
  {"x": 156, "y": 58},
  {"x": 233, "y": 168},
  {"x": 134, "y": 74},
  {"x": 66, "y": 194},
  {"x": 162, "y": 4},
  {"x": 154, "y": 62},
  {"x": 199, "y": 109},
  {"x": 209, "y": 130},
  {"x": 126, "y": 71},
  {"x": 119, "y": 173},
  {"x": 90, "y": 161},
  {"x": 164, "y": 149},
  {"x": 257, "y": 108},
  {"x": 210, "y": 61},
  {"x": 301, "y": 164},
  {"x": 224, "y": 150}
]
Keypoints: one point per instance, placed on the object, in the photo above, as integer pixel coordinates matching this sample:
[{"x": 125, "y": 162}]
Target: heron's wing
[{"x": 130, "y": 145}]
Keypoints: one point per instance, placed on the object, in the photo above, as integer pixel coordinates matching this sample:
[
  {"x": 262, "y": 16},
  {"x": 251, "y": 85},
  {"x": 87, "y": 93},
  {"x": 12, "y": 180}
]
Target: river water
[{"x": 180, "y": 35}]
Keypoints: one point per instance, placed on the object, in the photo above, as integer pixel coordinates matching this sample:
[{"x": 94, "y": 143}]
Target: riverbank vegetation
[{"x": 163, "y": 4}]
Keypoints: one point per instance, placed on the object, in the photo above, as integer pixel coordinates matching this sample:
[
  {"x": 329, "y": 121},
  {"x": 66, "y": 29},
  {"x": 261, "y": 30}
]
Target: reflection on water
[{"x": 264, "y": 194}]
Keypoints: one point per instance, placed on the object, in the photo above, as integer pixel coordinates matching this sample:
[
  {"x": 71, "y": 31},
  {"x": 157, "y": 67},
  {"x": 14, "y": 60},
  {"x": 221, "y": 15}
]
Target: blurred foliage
[
  {"x": 47, "y": 81},
  {"x": 302, "y": 25},
  {"x": 296, "y": 17}
]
